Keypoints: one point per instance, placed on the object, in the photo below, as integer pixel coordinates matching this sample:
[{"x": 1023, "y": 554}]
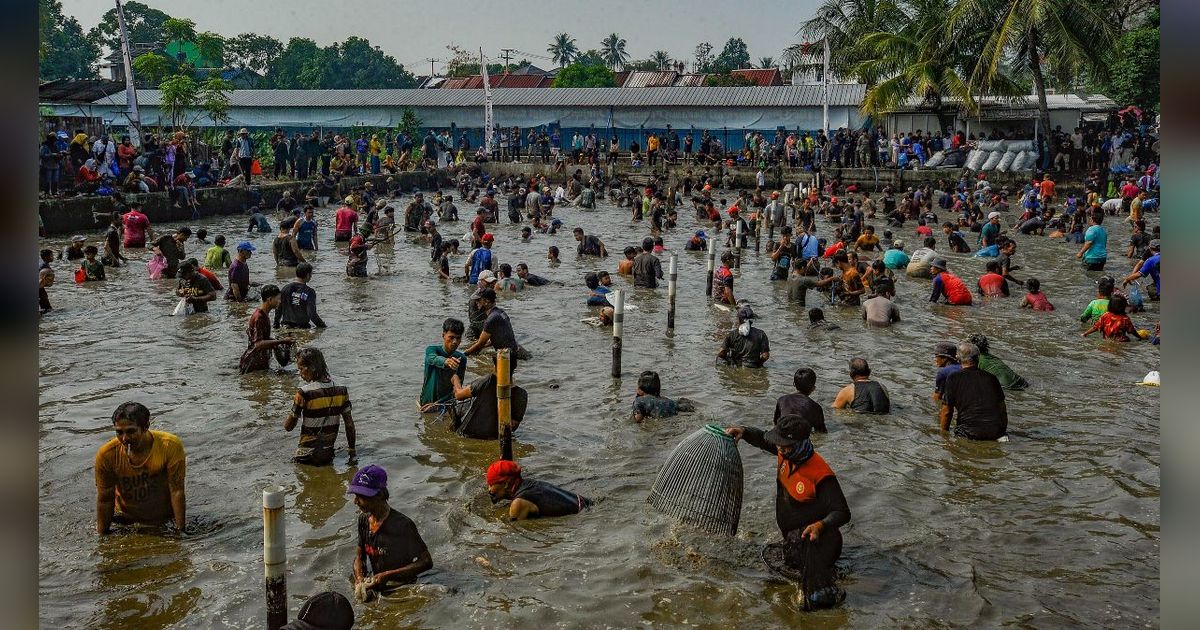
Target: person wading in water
[{"x": 809, "y": 506}]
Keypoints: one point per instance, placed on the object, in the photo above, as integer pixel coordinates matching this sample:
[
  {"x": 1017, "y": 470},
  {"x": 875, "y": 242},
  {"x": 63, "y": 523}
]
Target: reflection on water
[{"x": 1036, "y": 531}]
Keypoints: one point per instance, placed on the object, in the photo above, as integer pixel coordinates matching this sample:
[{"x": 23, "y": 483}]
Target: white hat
[
  {"x": 487, "y": 276},
  {"x": 994, "y": 215},
  {"x": 1151, "y": 379}
]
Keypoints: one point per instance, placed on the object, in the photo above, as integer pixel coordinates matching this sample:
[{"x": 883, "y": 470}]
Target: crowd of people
[{"x": 841, "y": 242}]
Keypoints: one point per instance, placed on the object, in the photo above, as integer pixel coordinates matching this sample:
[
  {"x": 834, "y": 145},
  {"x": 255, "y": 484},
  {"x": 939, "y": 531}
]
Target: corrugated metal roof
[
  {"x": 619, "y": 78},
  {"x": 650, "y": 78},
  {"x": 762, "y": 77},
  {"x": 775, "y": 96},
  {"x": 690, "y": 80},
  {"x": 1094, "y": 102}
]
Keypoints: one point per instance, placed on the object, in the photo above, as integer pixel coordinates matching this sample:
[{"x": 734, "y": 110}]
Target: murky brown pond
[{"x": 1058, "y": 527}]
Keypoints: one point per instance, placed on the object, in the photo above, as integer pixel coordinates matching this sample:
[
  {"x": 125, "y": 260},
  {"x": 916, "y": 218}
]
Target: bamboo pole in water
[
  {"x": 504, "y": 401},
  {"x": 712, "y": 258},
  {"x": 672, "y": 278},
  {"x": 274, "y": 557},
  {"x": 618, "y": 329}
]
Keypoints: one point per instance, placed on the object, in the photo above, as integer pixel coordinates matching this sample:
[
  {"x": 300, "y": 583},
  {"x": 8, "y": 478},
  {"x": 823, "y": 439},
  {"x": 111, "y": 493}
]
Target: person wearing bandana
[
  {"x": 745, "y": 345},
  {"x": 809, "y": 506}
]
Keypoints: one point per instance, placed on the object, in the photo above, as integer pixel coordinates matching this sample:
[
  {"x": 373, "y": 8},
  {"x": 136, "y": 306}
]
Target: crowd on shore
[{"x": 845, "y": 244}]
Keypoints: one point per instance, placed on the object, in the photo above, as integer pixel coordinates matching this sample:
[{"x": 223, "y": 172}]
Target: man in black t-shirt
[
  {"x": 799, "y": 403},
  {"x": 977, "y": 397},
  {"x": 497, "y": 329},
  {"x": 390, "y": 550},
  {"x": 195, "y": 287},
  {"x": 481, "y": 419},
  {"x": 745, "y": 346}
]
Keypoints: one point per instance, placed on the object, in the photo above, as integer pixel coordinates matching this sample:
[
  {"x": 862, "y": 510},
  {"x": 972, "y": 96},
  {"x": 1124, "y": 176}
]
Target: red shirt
[
  {"x": 344, "y": 219},
  {"x": 1115, "y": 327},
  {"x": 833, "y": 249},
  {"x": 136, "y": 225},
  {"x": 924, "y": 230},
  {"x": 1047, "y": 188},
  {"x": 1129, "y": 191}
]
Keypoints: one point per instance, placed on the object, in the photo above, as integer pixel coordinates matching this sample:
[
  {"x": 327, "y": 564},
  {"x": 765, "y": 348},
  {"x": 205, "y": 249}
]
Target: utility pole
[
  {"x": 507, "y": 55},
  {"x": 431, "y": 62}
]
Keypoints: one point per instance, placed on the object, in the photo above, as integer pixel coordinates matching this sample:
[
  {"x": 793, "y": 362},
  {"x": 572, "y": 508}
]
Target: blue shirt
[
  {"x": 939, "y": 381},
  {"x": 481, "y": 259},
  {"x": 895, "y": 259},
  {"x": 599, "y": 300},
  {"x": 1150, "y": 268},
  {"x": 308, "y": 229},
  {"x": 1098, "y": 252},
  {"x": 809, "y": 248}
]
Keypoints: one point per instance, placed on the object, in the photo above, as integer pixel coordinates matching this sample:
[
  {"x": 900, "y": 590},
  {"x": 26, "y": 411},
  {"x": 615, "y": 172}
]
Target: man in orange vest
[{"x": 809, "y": 506}]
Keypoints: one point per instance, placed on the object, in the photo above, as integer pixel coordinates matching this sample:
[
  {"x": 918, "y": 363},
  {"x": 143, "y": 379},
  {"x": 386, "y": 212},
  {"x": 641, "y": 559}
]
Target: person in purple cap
[{"x": 390, "y": 551}]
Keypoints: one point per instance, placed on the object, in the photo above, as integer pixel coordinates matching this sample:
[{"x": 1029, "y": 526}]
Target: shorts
[
  {"x": 341, "y": 236},
  {"x": 1095, "y": 265}
]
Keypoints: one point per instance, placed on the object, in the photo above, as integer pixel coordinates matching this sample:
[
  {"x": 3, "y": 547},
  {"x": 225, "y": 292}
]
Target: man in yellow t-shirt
[{"x": 140, "y": 473}]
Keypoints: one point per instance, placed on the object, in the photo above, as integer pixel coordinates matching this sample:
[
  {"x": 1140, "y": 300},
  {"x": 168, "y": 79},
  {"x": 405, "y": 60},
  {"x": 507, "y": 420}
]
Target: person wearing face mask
[
  {"x": 140, "y": 473},
  {"x": 529, "y": 498},
  {"x": 809, "y": 506},
  {"x": 745, "y": 346},
  {"x": 390, "y": 551}
]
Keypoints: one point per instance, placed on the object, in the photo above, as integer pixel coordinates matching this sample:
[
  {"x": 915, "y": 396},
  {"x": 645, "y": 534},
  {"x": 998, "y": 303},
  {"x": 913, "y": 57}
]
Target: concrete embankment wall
[
  {"x": 74, "y": 214},
  {"x": 868, "y": 180}
]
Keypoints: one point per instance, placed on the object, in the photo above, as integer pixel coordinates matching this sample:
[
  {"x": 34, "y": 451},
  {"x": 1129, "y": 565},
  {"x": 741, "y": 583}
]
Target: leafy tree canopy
[
  {"x": 584, "y": 75},
  {"x": 64, "y": 52}
]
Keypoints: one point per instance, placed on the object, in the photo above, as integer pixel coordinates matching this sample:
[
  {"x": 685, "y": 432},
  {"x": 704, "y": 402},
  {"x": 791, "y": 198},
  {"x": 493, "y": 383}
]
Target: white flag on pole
[{"x": 488, "y": 124}]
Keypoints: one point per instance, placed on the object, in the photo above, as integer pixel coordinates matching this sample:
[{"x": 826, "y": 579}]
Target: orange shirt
[{"x": 1047, "y": 188}]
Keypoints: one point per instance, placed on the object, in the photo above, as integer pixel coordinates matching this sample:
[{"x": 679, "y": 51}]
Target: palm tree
[
  {"x": 844, "y": 23},
  {"x": 1059, "y": 39},
  {"x": 661, "y": 58},
  {"x": 613, "y": 51},
  {"x": 563, "y": 49},
  {"x": 766, "y": 62},
  {"x": 917, "y": 60}
]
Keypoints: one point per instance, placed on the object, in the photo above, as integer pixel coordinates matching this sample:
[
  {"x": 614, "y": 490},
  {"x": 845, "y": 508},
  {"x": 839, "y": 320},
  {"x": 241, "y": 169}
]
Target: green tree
[
  {"x": 466, "y": 64},
  {"x": 563, "y": 49},
  {"x": 1054, "y": 41},
  {"x": 185, "y": 101},
  {"x": 612, "y": 49},
  {"x": 584, "y": 75},
  {"x": 213, "y": 99},
  {"x": 252, "y": 51},
  {"x": 152, "y": 68},
  {"x": 727, "y": 80},
  {"x": 916, "y": 59},
  {"x": 591, "y": 57},
  {"x": 704, "y": 58},
  {"x": 734, "y": 56},
  {"x": 662, "y": 59},
  {"x": 648, "y": 65},
  {"x": 176, "y": 30},
  {"x": 211, "y": 48},
  {"x": 356, "y": 64},
  {"x": 145, "y": 25},
  {"x": 300, "y": 66},
  {"x": 410, "y": 123},
  {"x": 64, "y": 52},
  {"x": 843, "y": 23},
  {"x": 1134, "y": 77}
]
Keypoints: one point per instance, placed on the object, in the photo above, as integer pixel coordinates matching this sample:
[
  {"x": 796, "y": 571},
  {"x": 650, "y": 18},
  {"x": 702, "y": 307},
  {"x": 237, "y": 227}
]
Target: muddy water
[{"x": 1058, "y": 527}]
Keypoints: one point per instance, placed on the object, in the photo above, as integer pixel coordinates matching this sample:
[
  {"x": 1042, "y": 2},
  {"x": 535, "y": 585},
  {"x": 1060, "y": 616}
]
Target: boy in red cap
[{"x": 530, "y": 498}]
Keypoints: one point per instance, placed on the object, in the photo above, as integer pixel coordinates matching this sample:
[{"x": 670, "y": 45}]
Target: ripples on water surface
[{"x": 1059, "y": 527}]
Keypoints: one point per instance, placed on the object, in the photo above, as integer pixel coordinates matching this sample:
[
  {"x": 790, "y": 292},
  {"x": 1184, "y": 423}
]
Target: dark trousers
[
  {"x": 814, "y": 559},
  {"x": 245, "y": 164},
  {"x": 1095, "y": 266}
]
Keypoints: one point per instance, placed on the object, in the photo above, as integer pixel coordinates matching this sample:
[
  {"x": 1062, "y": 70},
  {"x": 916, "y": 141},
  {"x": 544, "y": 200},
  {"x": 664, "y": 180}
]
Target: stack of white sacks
[{"x": 995, "y": 155}]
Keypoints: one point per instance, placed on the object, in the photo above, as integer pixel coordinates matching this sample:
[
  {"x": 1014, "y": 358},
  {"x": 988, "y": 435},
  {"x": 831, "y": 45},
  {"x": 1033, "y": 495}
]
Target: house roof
[
  {"x": 1086, "y": 103},
  {"x": 652, "y": 78},
  {"x": 475, "y": 82},
  {"x": 619, "y": 78},
  {"x": 840, "y": 95},
  {"x": 690, "y": 80},
  {"x": 77, "y": 90},
  {"x": 765, "y": 77}
]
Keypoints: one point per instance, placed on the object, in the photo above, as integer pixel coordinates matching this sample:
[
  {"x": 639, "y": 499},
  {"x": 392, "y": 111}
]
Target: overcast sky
[{"x": 412, "y": 31}]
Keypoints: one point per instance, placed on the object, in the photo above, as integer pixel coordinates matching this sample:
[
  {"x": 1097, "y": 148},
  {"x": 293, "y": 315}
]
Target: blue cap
[
  {"x": 246, "y": 246},
  {"x": 701, "y": 234},
  {"x": 368, "y": 481}
]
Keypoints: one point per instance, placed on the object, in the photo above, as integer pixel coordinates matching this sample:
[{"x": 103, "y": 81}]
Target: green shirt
[
  {"x": 217, "y": 257},
  {"x": 1094, "y": 309},
  {"x": 437, "y": 387},
  {"x": 1007, "y": 377}
]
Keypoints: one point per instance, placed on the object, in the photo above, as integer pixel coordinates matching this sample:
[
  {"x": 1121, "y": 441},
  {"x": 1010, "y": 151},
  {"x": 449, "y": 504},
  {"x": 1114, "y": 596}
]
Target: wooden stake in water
[
  {"x": 758, "y": 220},
  {"x": 274, "y": 557},
  {"x": 712, "y": 260},
  {"x": 504, "y": 401},
  {"x": 737, "y": 244},
  {"x": 618, "y": 329},
  {"x": 672, "y": 278}
]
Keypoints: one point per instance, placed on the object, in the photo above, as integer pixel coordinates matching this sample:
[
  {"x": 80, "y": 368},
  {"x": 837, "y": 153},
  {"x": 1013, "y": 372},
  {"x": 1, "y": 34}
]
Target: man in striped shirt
[{"x": 322, "y": 404}]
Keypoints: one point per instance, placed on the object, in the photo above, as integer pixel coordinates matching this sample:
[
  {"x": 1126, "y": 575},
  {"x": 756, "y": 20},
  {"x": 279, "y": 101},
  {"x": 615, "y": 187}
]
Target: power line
[
  {"x": 431, "y": 61},
  {"x": 507, "y": 55}
]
